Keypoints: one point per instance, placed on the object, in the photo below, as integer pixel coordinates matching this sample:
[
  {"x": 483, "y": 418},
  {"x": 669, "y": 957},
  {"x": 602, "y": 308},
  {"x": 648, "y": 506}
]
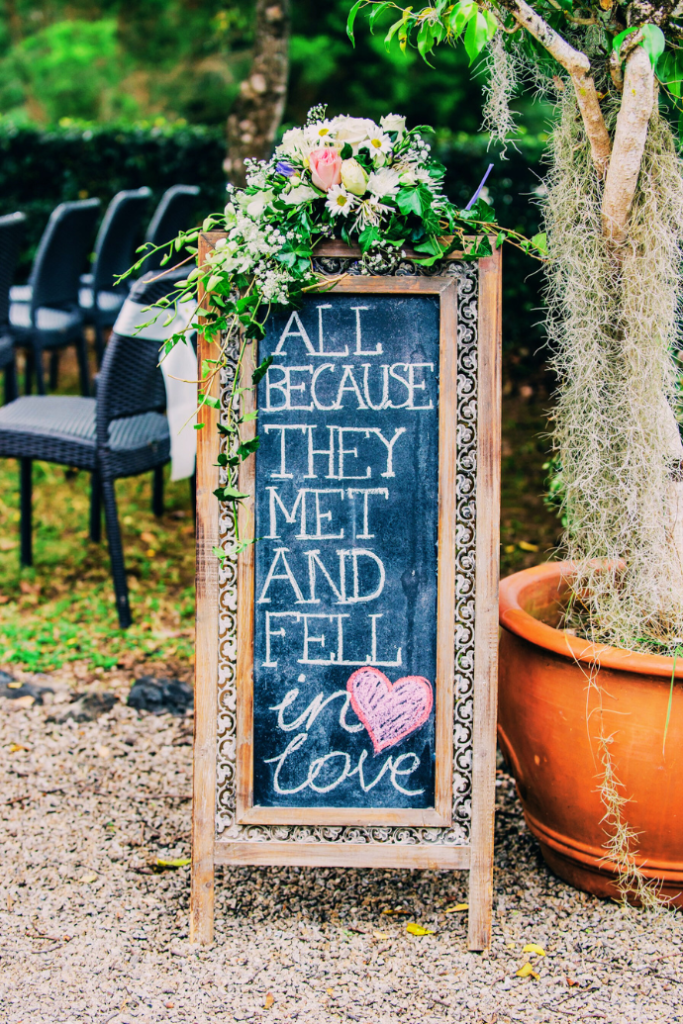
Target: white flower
[
  {"x": 352, "y": 130},
  {"x": 258, "y": 203},
  {"x": 340, "y": 201},
  {"x": 384, "y": 183},
  {"x": 353, "y": 177},
  {"x": 370, "y": 213},
  {"x": 407, "y": 172},
  {"x": 379, "y": 145},
  {"x": 300, "y": 194},
  {"x": 294, "y": 145},
  {"x": 319, "y": 134},
  {"x": 393, "y": 123}
]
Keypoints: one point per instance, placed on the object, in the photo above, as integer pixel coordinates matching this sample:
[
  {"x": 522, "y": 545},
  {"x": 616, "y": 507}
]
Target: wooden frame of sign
[{"x": 266, "y": 819}]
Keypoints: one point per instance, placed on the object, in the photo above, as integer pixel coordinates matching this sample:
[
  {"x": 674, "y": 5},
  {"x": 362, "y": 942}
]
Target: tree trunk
[{"x": 258, "y": 109}]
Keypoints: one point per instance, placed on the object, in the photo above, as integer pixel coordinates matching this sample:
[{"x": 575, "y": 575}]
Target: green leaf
[
  {"x": 460, "y": 15},
  {"x": 375, "y": 13},
  {"x": 541, "y": 242},
  {"x": 247, "y": 448},
  {"x": 476, "y": 36},
  {"x": 260, "y": 371},
  {"x": 425, "y": 40},
  {"x": 409, "y": 200},
  {"x": 229, "y": 493},
  {"x": 347, "y": 151},
  {"x": 248, "y": 417},
  {"x": 392, "y": 32},
  {"x": 653, "y": 42},
  {"x": 351, "y": 19}
]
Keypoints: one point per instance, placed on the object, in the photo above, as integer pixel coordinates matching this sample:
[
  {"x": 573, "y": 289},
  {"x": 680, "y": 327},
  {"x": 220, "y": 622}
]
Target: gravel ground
[{"x": 91, "y": 932}]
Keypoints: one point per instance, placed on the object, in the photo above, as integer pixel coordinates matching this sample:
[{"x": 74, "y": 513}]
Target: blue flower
[{"x": 282, "y": 167}]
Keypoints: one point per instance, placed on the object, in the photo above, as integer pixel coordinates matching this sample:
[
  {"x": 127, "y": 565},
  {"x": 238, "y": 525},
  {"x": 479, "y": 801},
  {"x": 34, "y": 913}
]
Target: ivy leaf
[
  {"x": 351, "y": 19},
  {"x": 347, "y": 151},
  {"x": 247, "y": 448},
  {"x": 409, "y": 200},
  {"x": 229, "y": 493},
  {"x": 260, "y": 371},
  {"x": 541, "y": 242}
]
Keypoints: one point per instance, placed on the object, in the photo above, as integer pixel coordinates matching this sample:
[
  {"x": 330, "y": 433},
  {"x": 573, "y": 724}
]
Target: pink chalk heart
[{"x": 389, "y": 712}]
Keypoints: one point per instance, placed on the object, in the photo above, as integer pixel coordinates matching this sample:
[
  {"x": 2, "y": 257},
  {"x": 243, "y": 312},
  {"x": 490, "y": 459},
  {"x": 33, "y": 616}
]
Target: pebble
[{"x": 93, "y": 932}]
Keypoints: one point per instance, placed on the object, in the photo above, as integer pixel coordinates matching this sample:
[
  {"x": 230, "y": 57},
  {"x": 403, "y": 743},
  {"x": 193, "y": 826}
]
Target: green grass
[{"x": 62, "y": 608}]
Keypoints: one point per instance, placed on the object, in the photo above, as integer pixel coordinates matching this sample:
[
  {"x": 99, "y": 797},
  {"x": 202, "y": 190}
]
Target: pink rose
[{"x": 325, "y": 164}]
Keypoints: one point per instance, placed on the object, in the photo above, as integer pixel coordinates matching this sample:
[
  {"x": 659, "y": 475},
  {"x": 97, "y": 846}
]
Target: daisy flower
[
  {"x": 340, "y": 201},
  {"x": 384, "y": 183}
]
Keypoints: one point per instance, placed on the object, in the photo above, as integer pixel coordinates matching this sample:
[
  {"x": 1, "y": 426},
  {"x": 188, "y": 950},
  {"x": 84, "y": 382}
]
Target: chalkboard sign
[{"x": 346, "y": 661}]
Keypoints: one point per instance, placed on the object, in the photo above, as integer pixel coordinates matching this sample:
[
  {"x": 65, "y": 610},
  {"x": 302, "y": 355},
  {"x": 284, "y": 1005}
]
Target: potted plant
[{"x": 590, "y": 715}]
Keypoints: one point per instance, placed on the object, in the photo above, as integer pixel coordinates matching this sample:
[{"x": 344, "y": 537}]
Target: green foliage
[{"x": 39, "y": 168}]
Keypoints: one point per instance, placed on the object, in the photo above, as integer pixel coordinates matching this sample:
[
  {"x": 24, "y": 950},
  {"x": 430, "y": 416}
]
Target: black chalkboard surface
[{"x": 346, "y": 567}]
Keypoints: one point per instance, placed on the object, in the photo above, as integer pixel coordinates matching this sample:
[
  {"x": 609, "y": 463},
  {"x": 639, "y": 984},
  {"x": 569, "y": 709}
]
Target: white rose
[
  {"x": 293, "y": 144},
  {"x": 393, "y": 123},
  {"x": 258, "y": 204},
  {"x": 354, "y": 178},
  {"x": 352, "y": 130}
]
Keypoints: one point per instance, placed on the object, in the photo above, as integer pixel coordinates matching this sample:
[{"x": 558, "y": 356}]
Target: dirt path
[{"x": 90, "y": 933}]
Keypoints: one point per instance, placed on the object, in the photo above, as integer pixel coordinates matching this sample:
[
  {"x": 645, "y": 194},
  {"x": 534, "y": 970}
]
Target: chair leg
[
  {"x": 95, "y": 508},
  {"x": 158, "y": 492},
  {"x": 54, "y": 369},
  {"x": 82, "y": 353},
  {"x": 26, "y": 553},
  {"x": 118, "y": 569},
  {"x": 10, "y": 382}
]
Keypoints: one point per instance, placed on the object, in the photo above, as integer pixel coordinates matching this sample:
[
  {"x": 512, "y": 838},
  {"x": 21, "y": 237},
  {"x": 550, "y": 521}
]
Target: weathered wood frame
[{"x": 477, "y": 856}]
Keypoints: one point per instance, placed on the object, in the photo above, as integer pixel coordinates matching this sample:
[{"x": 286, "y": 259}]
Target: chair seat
[
  {"x": 61, "y": 428},
  {"x": 108, "y": 304},
  {"x": 6, "y": 350},
  {"x": 56, "y": 326},
  {"x": 21, "y": 293}
]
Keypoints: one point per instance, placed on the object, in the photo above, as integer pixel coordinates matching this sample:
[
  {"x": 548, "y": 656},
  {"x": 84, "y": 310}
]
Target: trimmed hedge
[{"x": 42, "y": 167}]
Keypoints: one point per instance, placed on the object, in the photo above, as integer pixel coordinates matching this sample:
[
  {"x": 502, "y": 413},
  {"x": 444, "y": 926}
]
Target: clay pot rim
[{"x": 513, "y": 617}]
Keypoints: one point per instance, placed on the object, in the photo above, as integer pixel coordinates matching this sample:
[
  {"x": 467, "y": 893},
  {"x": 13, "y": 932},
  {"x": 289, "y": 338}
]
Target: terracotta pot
[{"x": 549, "y": 724}]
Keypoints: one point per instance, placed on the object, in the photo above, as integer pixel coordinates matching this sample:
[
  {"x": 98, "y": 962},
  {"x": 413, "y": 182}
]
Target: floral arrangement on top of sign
[{"x": 376, "y": 185}]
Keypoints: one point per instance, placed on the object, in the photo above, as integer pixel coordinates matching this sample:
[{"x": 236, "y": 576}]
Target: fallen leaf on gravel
[
  {"x": 457, "y": 908},
  {"x": 24, "y": 702},
  {"x": 14, "y": 686},
  {"x": 90, "y": 877},
  {"x": 179, "y": 862},
  {"x": 330, "y": 991},
  {"x": 417, "y": 929},
  {"x": 526, "y": 546},
  {"x": 527, "y": 971},
  {"x": 270, "y": 999},
  {"x": 531, "y": 947},
  {"x": 14, "y": 747},
  {"x": 169, "y": 1006},
  {"x": 571, "y": 981},
  {"x": 398, "y": 910},
  {"x": 380, "y": 935}
]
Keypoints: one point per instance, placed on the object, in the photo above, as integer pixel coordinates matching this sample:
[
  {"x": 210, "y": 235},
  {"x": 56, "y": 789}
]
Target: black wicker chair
[
  {"x": 121, "y": 433},
  {"x": 11, "y": 231},
  {"x": 44, "y": 315},
  {"x": 100, "y": 298},
  {"x": 172, "y": 215}
]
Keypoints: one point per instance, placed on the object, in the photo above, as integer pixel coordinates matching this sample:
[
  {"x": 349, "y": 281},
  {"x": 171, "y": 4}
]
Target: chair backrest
[
  {"x": 172, "y": 215},
  {"x": 117, "y": 236},
  {"x": 62, "y": 254},
  {"x": 130, "y": 381},
  {"x": 11, "y": 231}
]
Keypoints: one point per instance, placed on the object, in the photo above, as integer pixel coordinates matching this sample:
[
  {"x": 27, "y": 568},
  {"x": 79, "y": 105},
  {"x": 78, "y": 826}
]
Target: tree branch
[
  {"x": 629, "y": 144},
  {"x": 578, "y": 66}
]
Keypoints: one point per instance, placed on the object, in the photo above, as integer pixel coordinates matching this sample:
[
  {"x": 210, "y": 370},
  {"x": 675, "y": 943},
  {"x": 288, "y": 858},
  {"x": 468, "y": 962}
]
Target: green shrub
[{"x": 76, "y": 160}]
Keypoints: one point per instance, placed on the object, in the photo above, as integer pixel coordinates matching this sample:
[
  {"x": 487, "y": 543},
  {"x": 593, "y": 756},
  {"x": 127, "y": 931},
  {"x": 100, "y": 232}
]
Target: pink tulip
[{"x": 325, "y": 164}]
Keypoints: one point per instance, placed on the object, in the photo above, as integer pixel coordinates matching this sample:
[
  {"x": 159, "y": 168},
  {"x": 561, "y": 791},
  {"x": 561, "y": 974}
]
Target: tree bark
[
  {"x": 629, "y": 143},
  {"x": 258, "y": 109},
  {"x": 578, "y": 66}
]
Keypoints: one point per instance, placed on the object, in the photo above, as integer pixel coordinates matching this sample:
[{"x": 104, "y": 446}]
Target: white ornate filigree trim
[{"x": 458, "y": 833}]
